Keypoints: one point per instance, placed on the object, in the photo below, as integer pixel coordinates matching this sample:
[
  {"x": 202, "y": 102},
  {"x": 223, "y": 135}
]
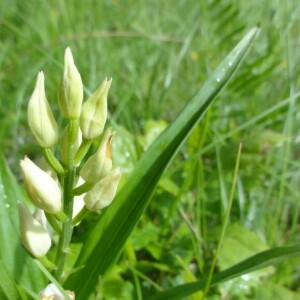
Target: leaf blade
[
  {"x": 7, "y": 284},
  {"x": 253, "y": 263},
  {"x": 110, "y": 233}
]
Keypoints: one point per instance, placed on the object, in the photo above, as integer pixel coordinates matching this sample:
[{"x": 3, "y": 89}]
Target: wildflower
[
  {"x": 103, "y": 193},
  {"x": 34, "y": 237},
  {"x": 94, "y": 112},
  {"x": 40, "y": 117},
  {"x": 41, "y": 187},
  {"x": 71, "y": 89}
]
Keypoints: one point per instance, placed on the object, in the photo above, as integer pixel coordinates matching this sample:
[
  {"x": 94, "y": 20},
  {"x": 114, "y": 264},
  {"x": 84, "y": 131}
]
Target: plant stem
[
  {"x": 224, "y": 223},
  {"x": 82, "y": 151},
  {"x": 67, "y": 227},
  {"x": 85, "y": 187},
  {"x": 53, "y": 222},
  {"x": 80, "y": 216},
  {"x": 53, "y": 162},
  {"x": 68, "y": 184}
]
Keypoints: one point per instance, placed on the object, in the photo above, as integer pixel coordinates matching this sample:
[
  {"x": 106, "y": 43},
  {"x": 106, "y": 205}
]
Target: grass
[{"x": 159, "y": 53}]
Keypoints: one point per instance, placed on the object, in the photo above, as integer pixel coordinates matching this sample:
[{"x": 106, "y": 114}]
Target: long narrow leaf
[
  {"x": 109, "y": 235},
  {"x": 256, "y": 262},
  {"x": 7, "y": 284}
]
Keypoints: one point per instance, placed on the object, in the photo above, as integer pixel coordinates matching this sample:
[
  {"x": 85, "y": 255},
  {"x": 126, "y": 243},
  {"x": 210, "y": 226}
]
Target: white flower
[
  {"x": 71, "y": 89},
  {"x": 99, "y": 164},
  {"x": 34, "y": 237},
  {"x": 51, "y": 292},
  {"x": 40, "y": 117},
  {"x": 41, "y": 187},
  {"x": 103, "y": 193},
  {"x": 78, "y": 203},
  {"x": 94, "y": 112},
  {"x": 40, "y": 216}
]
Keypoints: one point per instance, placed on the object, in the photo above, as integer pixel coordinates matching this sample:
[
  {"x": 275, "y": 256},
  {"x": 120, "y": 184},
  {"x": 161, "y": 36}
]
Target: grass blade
[
  {"x": 225, "y": 222},
  {"x": 107, "y": 238},
  {"x": 7, "y": 284},
  {"x": 255, "y": 262}
]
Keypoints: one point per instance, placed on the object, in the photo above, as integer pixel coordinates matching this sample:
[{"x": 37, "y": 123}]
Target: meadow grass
[{"x": 158, "y": 54}]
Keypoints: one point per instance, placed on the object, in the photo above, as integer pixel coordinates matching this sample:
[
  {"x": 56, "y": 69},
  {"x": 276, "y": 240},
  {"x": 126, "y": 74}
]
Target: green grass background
[{"x": 158, "y": 54}]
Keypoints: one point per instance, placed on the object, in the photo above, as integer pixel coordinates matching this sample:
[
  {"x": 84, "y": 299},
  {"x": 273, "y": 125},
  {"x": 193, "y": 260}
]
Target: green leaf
[
  {"x": 241, "y": 242},
  {"x": 152, "y": 129},
  {"x": 109, "y": 235},
  {"x": 7, "y": 284},
  {"x": 272, "y": 291},
  {"x": 255, "y": 262}
]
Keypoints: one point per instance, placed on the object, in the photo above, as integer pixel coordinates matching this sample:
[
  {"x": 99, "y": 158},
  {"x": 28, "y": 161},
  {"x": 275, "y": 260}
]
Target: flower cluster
[{"x": 80, "y": 184}]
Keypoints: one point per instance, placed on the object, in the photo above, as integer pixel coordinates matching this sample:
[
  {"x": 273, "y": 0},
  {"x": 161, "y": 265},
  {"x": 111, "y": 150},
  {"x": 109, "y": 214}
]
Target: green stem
[
  {"x": 85, "y": 187},
  {"x": 61, "y": 216},
  {"x": 47, "y": 263},
  {"x": 80, "y": 216},
  {"x": 53, "y": 222},
  {"x": 82, "y": 151},
  {"x": 53, "y": 162},
  {"x": 73, "y": 131},
  {"x": 224, "y": 223},
  {"x": 67, "y": 227},
  {"x": 68, "y": 185}
]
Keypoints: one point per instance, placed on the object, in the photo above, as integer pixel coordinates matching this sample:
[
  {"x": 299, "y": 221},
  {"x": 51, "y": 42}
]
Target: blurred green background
[{"x": 158, "y": 54}]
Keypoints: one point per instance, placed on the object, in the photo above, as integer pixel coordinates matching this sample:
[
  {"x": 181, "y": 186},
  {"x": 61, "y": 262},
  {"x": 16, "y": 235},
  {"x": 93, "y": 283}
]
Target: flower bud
[
  {"x": 102, "y": 194},
  {"x": 94, "y": 112},
  {"x": 34, "y": 237},
  {"x": 70, "y": 94},
  {"x": 41, "y": 162},
  {"x": 40, "y": 216},
  {"x": 40, "y": 118},
  {"x": 99, "y": 164},
  {"x": 52, "y": 292},
  {"x": 41, "y": 187}
]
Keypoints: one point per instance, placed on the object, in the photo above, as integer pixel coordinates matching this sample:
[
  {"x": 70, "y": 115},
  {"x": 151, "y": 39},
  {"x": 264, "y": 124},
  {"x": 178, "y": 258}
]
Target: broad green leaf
[
  {"x": 123, "y": 150},
  {"x": 152, "y": 129},
  {"x": 272, "y": 291},
  {"x": 238, "y": 244},
  {"x": 255, "y": 262},
  {"x": 115, "y": 287},
  {"x": 106, "y": 240},
  {"x": 15, "y": 259}
]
